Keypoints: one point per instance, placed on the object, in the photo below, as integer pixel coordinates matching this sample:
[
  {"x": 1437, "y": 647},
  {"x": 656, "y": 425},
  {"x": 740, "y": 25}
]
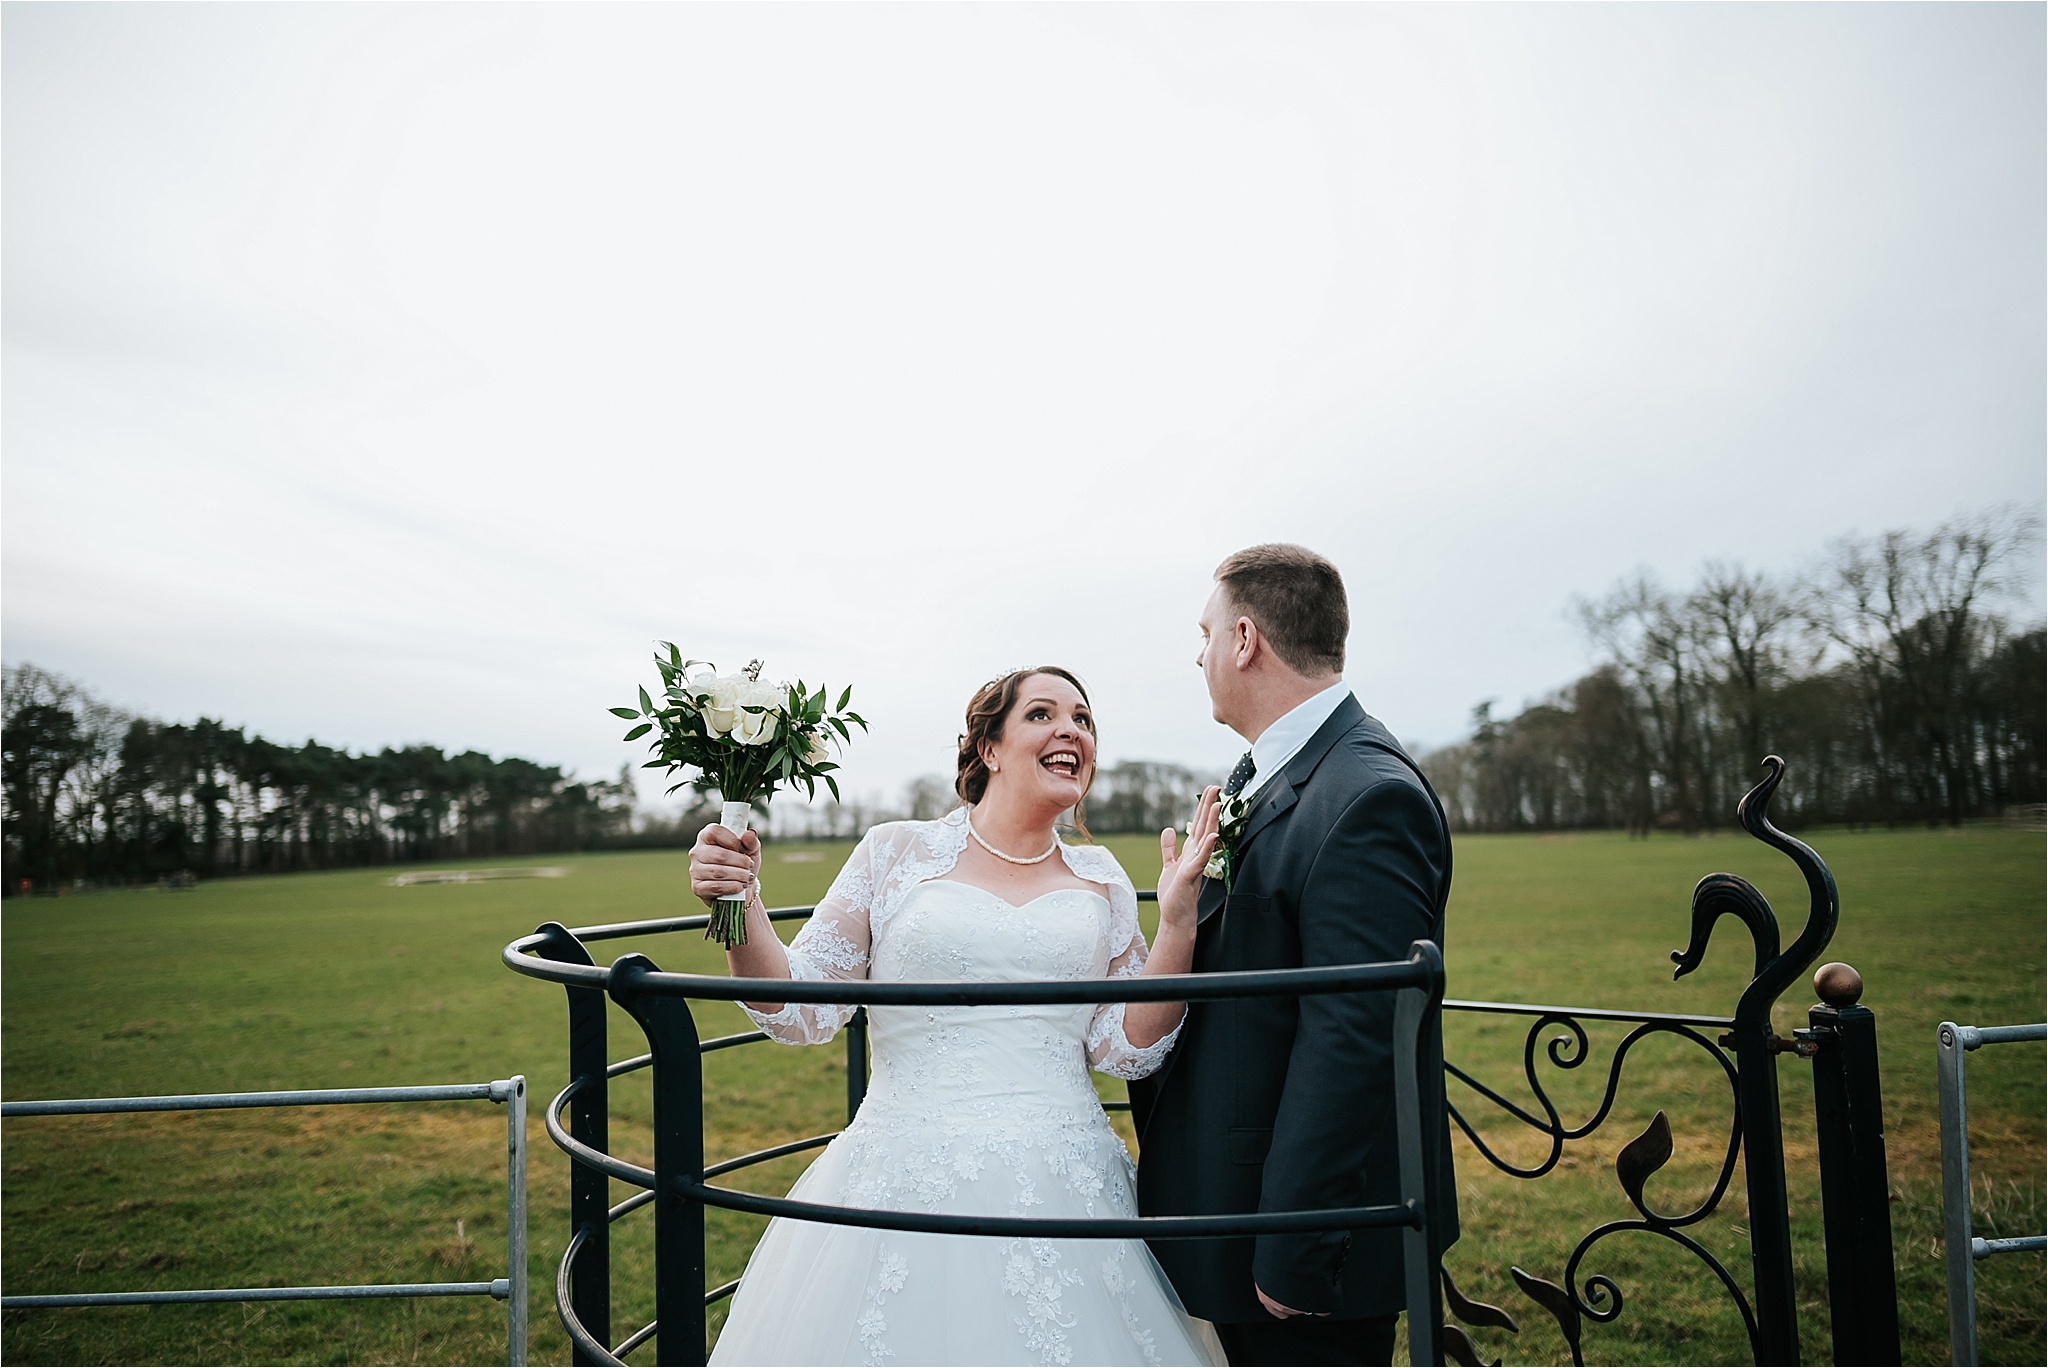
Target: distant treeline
[
  {"x": 98, "y": 795},
  {"x": 95, "y": 794},
  {"x": 1885, "y": 676},
  {"x": 1132, "y": 796}
]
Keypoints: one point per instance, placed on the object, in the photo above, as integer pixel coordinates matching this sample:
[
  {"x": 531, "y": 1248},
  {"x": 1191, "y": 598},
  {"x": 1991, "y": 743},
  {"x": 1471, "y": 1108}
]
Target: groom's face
[{"x": 1219, "y": 656}]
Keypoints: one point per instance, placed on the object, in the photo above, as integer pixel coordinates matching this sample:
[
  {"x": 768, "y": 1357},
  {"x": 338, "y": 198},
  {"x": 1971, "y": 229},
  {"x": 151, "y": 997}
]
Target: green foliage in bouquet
[{"x": 744, "y": 737}]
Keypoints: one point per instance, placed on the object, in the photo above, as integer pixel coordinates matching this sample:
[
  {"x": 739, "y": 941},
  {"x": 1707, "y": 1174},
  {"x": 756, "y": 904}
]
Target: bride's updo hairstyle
[{"x": 987, "y": 711}]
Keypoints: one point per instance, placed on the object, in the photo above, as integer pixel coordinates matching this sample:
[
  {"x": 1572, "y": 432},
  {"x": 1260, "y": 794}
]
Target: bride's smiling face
[{"x": 1047, "y": 753}]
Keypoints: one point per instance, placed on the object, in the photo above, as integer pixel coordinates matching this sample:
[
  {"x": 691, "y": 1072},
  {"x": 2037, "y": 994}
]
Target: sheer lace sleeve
[
  {"x": 1109, "y": 1049},
  {"x": 832, "y": 945}
]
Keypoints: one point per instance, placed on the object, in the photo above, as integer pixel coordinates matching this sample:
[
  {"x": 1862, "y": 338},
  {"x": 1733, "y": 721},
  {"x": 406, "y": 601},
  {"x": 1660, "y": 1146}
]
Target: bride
[{"x": 983, "y": 1110}]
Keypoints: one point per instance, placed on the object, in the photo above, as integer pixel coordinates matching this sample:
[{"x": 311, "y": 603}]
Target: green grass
[{"x": 340, "y": 979}]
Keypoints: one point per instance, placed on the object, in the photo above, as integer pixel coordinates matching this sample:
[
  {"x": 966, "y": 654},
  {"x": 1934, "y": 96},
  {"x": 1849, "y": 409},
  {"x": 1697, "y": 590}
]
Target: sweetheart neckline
[{"x": 1017, "y": 907}]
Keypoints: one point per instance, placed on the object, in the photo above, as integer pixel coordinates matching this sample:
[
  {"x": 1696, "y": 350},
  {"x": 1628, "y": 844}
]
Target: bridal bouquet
[{"x": 745, "y": 738}]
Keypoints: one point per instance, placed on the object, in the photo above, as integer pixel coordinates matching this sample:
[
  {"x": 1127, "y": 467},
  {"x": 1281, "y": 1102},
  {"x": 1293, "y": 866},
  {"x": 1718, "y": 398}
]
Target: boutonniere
[{"x": 1231, "y": 819}]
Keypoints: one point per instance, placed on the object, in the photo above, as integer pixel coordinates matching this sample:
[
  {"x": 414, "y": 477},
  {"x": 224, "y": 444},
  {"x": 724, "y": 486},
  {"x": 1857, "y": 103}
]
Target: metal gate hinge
[{"x": 1805, "y": 1041}]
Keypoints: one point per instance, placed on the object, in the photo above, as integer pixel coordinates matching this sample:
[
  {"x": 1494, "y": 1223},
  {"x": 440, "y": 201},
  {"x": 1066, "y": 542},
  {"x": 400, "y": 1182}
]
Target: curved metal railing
[{"x": 659, "y": 1002}]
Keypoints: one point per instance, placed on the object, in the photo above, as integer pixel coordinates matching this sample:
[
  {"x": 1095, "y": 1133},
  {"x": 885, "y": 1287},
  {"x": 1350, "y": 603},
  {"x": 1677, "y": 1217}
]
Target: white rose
[
  {"x": 817, "y": 751},
  {"x": 718, "y": 698},
  {"x": 758, "y": 728},
  {"x": 755, "y": 728}
]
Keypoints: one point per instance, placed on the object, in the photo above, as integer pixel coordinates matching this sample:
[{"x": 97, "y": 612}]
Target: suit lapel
[{"x": 1278, "y": 796}]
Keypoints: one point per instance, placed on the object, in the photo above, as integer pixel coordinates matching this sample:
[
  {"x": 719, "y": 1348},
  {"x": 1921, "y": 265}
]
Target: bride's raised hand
[
  {"x": 722, "y": 863},
  {"x": 1180, "y": 874}
]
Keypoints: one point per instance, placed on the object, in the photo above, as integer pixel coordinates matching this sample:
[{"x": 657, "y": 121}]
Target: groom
[{"x": 1287, "y": 1103}]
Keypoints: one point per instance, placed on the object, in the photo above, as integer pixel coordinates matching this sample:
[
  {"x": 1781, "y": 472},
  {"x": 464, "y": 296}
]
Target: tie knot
[{"x": 1240, "y": 776}]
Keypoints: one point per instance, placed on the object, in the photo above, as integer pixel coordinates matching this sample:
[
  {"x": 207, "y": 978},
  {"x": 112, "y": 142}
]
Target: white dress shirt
[{"x": 1282, "y": 741}]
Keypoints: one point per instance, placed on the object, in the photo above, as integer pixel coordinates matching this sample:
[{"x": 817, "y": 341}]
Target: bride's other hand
[
  {"x": 1173, "y": 949},
  {"x": 722, "y": 864},
  {"x": 1180, "y": 874}
]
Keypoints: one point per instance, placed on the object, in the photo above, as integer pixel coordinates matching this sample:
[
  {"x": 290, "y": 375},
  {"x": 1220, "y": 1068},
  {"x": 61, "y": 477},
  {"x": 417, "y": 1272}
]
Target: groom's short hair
[{"x": 1297, "y": 599}]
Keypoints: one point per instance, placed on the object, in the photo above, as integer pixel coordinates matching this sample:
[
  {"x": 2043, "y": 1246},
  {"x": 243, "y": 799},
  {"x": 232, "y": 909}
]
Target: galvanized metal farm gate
[
  {"x": 1962, "y": 1245},
  {"x": 511, "y": 1289},
  {"x": 1840, "y": 1041}
]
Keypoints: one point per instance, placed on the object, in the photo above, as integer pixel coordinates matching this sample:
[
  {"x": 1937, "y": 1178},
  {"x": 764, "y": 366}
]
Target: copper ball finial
[{"x": 1838, "y": 984}]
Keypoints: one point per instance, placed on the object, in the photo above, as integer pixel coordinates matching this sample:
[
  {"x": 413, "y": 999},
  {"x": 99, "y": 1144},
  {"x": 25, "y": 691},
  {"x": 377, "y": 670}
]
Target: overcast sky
[{"x": 387, "y": 373}]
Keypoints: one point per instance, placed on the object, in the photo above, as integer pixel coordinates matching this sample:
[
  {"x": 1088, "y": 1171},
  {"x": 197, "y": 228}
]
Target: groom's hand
[
  {"x": 1180, "y": 871},
  {"x": 1274, "y": 1308}
]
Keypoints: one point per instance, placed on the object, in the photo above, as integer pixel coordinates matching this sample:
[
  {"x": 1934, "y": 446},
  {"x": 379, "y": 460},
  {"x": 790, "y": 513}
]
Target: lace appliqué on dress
[
  {"x": 1111, "y": 1052},
  {"x": 921, "y": 851},
  {"x": 892, "y": 1271},
  {"x": 832, "y": 945},
  {"x": 1031, "y": 1271},
  {"x": 820, "y": 944},
  {"x": 1118, "y": 1283}
]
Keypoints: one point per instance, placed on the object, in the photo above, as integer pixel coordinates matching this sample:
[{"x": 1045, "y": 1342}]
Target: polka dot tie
[{"x": 1240, "y": 776}]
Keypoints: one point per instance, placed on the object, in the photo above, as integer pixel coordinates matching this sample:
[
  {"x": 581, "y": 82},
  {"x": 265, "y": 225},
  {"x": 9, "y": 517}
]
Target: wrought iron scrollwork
[
  {"x": 1725, "y": 893},
  {"x": 1753, "y": 1112},
  {"x": 1601, "y": 1299},
  {"x": 1570, "y": 1052}
]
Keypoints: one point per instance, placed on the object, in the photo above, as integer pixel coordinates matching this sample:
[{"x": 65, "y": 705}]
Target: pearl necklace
[{"x": 1035, "y": 859}]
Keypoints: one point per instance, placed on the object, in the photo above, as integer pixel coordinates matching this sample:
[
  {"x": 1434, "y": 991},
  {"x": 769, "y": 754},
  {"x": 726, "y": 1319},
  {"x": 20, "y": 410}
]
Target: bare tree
[
  {"x": 62, "y": 761},
  {"x": 1142, "y": 795},
  {"x": 1910, "y": 613},
  {"x": 1656, "y": 641},
  {"x": 1744, "y": 623},
  {"x": 929, "y": 796}
]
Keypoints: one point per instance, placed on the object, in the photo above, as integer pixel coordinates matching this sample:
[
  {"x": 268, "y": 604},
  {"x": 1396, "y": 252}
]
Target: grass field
[{"x": 342, "y": 980}]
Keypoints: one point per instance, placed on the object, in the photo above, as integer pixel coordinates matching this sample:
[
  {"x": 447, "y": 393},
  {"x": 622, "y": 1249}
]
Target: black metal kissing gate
[
  {"x": 1840, "y": 1040},
  {"x": 678, "y": 1184}
]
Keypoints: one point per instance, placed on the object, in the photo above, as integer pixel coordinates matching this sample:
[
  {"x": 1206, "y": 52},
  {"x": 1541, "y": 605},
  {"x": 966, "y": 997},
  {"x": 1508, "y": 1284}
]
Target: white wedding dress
[{"x": 985, "y": 1110}]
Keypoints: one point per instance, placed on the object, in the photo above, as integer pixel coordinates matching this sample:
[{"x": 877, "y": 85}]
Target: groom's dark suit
[{"x": 1287, "y": 1103}]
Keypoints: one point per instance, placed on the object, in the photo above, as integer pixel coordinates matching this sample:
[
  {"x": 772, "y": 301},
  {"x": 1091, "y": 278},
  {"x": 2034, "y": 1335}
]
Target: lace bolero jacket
[{"x": 894, "y": 858}]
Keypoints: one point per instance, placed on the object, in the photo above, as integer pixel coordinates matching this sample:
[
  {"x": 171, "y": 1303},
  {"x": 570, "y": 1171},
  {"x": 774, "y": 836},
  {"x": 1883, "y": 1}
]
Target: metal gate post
[
  {"x": 678, "y": 1157},
  {"x": 1955, "y": 1195},
  {"x": 590, "y": 1281},
  {"x": 1763, "y": 1162},
  {"x": 856, "y": 1062},
  {"x": 515, "y": 1218},
  {"x": 1420, "y": 1249},
  {"x": 1863, "y": 1294}
]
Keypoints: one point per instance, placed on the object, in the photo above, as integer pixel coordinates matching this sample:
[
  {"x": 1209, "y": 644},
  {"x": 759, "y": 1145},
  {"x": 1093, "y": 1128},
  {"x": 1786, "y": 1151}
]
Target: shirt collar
[{"x": 1282, "y": 741}]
